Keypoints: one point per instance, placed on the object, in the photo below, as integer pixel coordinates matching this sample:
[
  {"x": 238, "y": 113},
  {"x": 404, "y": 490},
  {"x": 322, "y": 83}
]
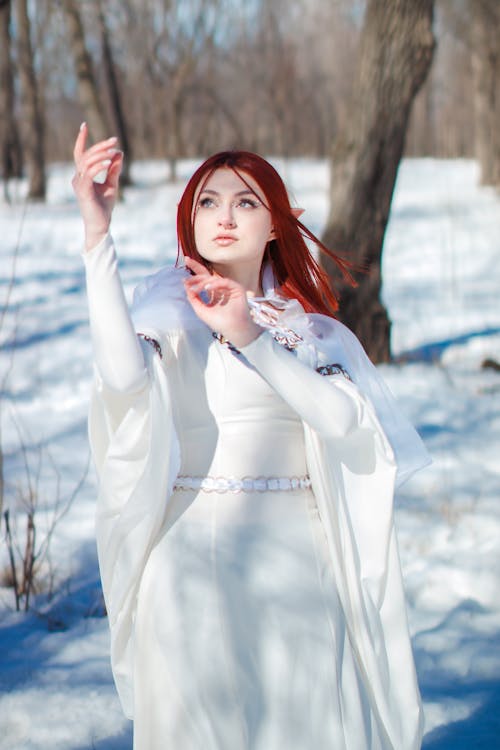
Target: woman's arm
[
  {"x": 329, "y": 408},
  {"x": 118, "y": 354},
  {"x": 117, "y": 351}
]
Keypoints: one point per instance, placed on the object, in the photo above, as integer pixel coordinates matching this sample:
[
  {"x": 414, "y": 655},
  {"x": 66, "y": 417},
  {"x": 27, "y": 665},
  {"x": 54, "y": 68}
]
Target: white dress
[
  {"x": 239, "y": 628},
  {"x": 231, "y": 626}
]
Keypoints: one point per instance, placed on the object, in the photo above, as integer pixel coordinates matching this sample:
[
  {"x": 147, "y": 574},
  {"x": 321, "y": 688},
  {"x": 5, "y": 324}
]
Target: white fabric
[
  {"x": 257, "y": 621},
  {"x": 120, "y": 358}
]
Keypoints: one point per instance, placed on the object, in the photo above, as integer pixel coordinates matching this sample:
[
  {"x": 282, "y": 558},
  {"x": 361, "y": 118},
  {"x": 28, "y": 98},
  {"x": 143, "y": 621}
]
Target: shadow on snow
[
  {"x": 429, "y": 353},
  {"x": 480, "y": 730}
]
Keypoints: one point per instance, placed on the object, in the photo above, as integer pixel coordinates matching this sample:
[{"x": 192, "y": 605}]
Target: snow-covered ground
[{"x": 442, "y": 288}]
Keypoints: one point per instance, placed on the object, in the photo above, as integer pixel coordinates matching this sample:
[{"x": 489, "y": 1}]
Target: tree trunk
[
  {"x": 395, "y": 55},
  {"x": 174, "y": 137},
  {"x": 87, "y": 84},
  {"x": 33, "y": 125},
  {"x": 485, "y": 37},
  {"x": 115, "y": 97},
  {"x": 10, "y": 147}
]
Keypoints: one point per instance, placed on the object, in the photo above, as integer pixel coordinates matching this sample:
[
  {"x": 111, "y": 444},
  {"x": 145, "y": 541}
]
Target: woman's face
[{"x": 232, "y": 223}]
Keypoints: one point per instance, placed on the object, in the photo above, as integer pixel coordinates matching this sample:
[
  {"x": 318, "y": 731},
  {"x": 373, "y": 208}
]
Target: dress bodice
[{"x": 229, "y": 421}]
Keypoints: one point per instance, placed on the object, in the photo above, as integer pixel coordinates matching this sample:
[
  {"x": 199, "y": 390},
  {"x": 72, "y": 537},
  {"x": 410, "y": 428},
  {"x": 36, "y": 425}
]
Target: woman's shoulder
[
  {"x": 167, "y": 279},
  {"x": 160, "y": 306}
]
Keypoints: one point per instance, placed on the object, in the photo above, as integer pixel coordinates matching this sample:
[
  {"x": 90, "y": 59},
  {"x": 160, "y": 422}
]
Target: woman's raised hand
[
  {"x": 96, "y": 199},
  {"x": 221, "y": 303}
]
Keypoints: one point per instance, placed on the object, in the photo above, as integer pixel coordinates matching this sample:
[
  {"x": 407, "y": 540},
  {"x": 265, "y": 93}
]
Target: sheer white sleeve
[{"x": 117, "y": 351}]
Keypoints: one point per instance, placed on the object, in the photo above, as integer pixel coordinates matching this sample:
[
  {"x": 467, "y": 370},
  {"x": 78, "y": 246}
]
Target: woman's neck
[{"x": 249, "y": 278}]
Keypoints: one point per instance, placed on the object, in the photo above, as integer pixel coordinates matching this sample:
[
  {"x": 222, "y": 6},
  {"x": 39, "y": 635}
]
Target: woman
[{"x": 244, "y": 521}]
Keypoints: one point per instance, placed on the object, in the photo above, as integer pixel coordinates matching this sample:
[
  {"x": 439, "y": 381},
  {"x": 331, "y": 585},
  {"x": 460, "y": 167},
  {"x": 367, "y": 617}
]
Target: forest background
[
  {"x": 330, "y": 90},
  {"x": 185, "y": 79},
  {"x": 361, "y": 83}
]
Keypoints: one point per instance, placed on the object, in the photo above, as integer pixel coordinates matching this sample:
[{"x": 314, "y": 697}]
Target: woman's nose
[{"x": 226, "y": 218}]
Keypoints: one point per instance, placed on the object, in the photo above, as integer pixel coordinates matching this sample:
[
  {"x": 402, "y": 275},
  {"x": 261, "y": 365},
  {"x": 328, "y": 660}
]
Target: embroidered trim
[
  {"x": 284, "y": 339},
  {"x": 220, "y": 338},
  {"x": 154, "y": 343},
  {"x": 334, "y": 369}
]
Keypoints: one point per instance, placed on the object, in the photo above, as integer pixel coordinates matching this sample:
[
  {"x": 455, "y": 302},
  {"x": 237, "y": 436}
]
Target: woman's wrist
[
  {"x": 243, "y": 337},
  {"x": 92, "y": 239}
]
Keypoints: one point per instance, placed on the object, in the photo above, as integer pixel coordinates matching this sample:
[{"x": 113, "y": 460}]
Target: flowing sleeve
[
  {"x": 137, "y": 456},
  {"x": 354, "y": 490},
  {"x": 335, "y": 343},
  {"x": 135, "y": 450}
]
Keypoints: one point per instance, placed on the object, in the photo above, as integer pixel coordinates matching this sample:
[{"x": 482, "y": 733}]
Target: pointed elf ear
[{"x": 296, "y": 212}]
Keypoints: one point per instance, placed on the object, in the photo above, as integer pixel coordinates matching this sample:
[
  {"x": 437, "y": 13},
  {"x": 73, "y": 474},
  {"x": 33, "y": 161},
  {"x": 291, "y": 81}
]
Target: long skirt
[{"x": 240, "y": 641}]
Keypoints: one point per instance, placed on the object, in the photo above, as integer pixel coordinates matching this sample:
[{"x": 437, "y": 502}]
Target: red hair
[{"x": 298, "y": 274}]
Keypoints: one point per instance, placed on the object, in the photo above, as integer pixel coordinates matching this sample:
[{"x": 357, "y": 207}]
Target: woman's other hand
[
  {"x": 221, "y": 303},
  {"x": 96, "y": 199}
]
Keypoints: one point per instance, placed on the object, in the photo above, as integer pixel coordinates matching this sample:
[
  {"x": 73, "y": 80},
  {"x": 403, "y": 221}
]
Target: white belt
[{"x": 247, "y": 484}]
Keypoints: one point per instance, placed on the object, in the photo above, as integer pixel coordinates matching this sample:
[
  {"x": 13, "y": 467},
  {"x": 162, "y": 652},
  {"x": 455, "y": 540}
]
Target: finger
[
  {"x": 208, "y": 295},
  {"x": 81, "y": 139},
  {"x": 220, "y": 285},
  {"x": 97, "y": 172},
  {"x": 195, "y": 284},
  {"x": 107, "y": 156},
  {"x": 109, "y": 144},
  {"x": 208, "y": 282},
  {"x": 102, "y": 150},
  {"x": 196, "y": 266},
  {"x": 193, "y": 297},
  {"x": 197, "y": 292},
  {"x": 89, "y": 162},
  {"x": 115, "y": 169}
]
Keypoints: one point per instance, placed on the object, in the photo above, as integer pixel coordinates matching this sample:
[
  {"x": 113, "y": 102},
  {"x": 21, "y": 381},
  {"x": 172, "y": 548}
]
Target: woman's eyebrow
[{"x": 248, "y": 191}]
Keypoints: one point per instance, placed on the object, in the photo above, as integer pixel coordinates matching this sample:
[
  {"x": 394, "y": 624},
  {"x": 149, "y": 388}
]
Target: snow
[{"x": 441, "y": 286}]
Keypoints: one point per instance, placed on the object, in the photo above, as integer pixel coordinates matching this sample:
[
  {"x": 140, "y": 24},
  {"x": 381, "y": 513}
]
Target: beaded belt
[{"x": 247, "y": 484}]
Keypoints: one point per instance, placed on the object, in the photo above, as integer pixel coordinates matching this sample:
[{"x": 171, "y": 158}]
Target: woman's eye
[
  {"x": 248, "y": 203},
  {"x": 205, "y": 203}
]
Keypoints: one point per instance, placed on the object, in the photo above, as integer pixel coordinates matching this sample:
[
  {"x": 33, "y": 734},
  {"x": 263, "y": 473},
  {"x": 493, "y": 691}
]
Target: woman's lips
[{"x": 224, "y": 239}]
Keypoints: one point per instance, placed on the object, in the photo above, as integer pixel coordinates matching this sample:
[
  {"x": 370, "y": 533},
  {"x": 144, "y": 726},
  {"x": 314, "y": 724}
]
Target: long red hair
[{"x": 298, "y": 274}]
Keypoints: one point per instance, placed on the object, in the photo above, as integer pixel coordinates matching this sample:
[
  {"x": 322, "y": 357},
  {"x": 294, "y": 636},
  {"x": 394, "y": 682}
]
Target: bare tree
[
  {"x": 10, "y": 147},
  {"x": 395, "y": 55},
  {"x": 184, "y": 79},
  {"x": 33, "y": 125},
  {"x": 116, "y": 100},
  {"x": 176, "y": 47},
  {"x": 88, "y": 93},
  {"x": 485, "y": 47}
]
